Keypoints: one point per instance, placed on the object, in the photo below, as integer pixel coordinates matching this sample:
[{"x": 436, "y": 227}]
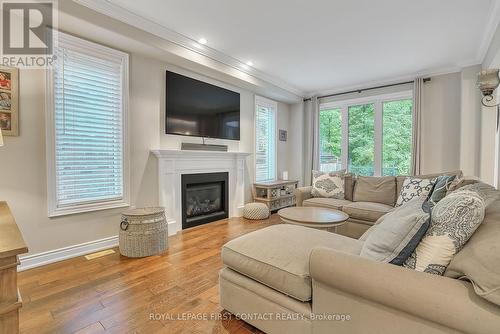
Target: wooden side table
[{"x": 275, "y": 194}]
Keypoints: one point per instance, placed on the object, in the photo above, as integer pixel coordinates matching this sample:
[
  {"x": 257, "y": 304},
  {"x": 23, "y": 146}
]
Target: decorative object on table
[
  {"x": 283, "y": 135},
  {"x": 9, "y": 100},
  {"x": 270, "y": 193},
  {"x": 1, "y": 138},
  {"x": 328, "y": 185},
  {"x": 284, "y": 175},
  {"x": 256, "y": 211},
  {"x": 143, "y": 232},
  {"x": 314, "y": 217}
]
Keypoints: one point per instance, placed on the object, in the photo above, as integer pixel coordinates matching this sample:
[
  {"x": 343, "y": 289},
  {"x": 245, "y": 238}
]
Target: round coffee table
[{"x": 319, "y": 218}]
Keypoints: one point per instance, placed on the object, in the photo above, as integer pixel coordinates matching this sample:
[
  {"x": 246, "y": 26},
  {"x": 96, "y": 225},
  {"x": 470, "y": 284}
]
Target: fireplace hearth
[{"x": 204, "y": 198}]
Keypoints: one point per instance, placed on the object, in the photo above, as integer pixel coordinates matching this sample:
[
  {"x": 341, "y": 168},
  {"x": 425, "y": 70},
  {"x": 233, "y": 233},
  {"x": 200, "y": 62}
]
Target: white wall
[
  {"x": 470, "y": 122},
  {"x": 296, "y": 143},
  {"x": 23, "y": 165},
  {"x": 490, "y": 147},
  {"x": 441, "y": 124}
]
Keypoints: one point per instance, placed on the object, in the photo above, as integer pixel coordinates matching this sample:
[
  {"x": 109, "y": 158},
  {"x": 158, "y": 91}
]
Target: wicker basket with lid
[{"x": 143, "y": 232}]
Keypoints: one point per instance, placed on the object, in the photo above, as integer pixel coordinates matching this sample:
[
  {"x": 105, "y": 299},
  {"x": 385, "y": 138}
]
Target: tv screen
[{"x": 196, "y": 108}]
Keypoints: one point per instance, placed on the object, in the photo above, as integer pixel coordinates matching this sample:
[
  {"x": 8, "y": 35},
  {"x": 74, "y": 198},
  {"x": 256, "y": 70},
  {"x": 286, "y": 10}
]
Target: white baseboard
[
  {"x": 41, "y": 259},
  {"x": 56, "y": 255}
]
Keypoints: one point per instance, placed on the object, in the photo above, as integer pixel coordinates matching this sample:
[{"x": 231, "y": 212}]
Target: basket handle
[{"x": 124, "y": 224}]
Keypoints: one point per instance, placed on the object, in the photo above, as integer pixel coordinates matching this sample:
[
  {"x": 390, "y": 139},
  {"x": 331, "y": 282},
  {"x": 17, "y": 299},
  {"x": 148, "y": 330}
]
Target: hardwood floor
[{"x": 115, "y": 294}]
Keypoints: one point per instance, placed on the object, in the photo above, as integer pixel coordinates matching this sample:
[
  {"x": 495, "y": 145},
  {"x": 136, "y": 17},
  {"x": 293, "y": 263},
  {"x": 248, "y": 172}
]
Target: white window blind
[
  {"x": 265, "y": 139},
  {"x": 89, "y": 157}
]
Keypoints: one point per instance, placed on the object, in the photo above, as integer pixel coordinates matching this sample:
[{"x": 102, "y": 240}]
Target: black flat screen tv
[{"x": 196, "y": 108}]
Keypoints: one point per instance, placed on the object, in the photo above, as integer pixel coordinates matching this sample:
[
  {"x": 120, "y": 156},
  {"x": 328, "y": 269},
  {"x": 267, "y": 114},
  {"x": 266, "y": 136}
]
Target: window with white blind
[
  {"x": 265, "y": 139},
  {"x": 86, "y": 128}
]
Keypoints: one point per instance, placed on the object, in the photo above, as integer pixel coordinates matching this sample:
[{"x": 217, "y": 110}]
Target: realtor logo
[{"x": 27, "y": 33}]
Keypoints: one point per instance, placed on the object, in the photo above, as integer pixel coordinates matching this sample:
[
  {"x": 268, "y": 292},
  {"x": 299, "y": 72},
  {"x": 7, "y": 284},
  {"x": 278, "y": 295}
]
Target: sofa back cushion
[
  {"x": 479, "y": 260},
  {"x": 349, "y": 181},
  {"x": 375, "y": 189}
]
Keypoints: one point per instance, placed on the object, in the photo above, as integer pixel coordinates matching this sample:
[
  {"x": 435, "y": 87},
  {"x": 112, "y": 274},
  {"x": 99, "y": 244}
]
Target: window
[
  {"x": 265, "y": 139},
  {"x": 330, "y": 141},
  {"x": 362, "y": 139},
  {"x": 86, "y": 128},
  {"x": 368, "y": 136}
]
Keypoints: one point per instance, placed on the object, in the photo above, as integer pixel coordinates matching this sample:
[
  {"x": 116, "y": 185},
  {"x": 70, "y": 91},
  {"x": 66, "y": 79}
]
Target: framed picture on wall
[
  {"x": 9, "y": 101},
  {"x": 283, "y": 135}
]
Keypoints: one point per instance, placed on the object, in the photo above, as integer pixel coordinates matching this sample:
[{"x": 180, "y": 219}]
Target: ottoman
[{"x": 256, "y": 211}]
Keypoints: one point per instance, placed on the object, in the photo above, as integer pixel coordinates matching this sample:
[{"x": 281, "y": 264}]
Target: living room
[{"x": 231, "y": 167}]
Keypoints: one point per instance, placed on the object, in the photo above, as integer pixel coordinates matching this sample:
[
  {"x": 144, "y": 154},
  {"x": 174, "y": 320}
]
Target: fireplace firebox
[{"x": 204, "y": 198}]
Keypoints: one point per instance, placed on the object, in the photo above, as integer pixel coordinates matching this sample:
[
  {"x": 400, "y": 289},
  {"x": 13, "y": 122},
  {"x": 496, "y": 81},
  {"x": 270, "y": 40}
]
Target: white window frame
[
  {"x": 377, "y": 101},
  {"x": 262, "y": 101},
  {"x": 104, "y": 52}
]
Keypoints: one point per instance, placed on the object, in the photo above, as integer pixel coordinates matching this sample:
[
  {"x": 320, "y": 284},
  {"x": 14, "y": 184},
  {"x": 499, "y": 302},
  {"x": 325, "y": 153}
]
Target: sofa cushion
[
  {"x": 278, "y": 256},
  {"x": 397, "y": 235},
  {"x": 453, "y": 221},
  {"x": 330, "y": 203},
  {"x": 375, "y": 189},
  {"x": 439, "y": 190},
  {"x": 329, "y": 185},
  {"x": 414, "y": 187},
  {"x": 479, "y": 260},
  {"x": 367, "y": 211},
  {"x": 400, "y": 179},
  {"x": 349, "y": 181}
]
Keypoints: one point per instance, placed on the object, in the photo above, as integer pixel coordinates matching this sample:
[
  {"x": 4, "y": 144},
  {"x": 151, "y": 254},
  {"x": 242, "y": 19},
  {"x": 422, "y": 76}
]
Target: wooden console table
[
  {"x": 11, "y": 245},
  {"x": 275, "y": 194}
]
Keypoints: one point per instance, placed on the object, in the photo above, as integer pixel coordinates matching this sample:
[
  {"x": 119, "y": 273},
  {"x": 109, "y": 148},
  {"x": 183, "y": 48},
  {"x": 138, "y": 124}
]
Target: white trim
[
  {"x": 56, "y": 255},
  {"x": 106, "y": 53},
  {"x": 489, "y": 31},
  {"x": 273, "y": 105},
  {"x": 121, "y": 14},
  {"x": 69, "y": 252}
]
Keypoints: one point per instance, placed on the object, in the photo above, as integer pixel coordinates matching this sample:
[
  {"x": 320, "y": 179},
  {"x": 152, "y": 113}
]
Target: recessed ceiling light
[
  {"x": 249, "y": 63},
  {"x": 202, "y": 41}
]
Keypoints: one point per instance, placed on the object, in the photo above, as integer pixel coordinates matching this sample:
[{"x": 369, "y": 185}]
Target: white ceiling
[{"x": 321, "y": 45}]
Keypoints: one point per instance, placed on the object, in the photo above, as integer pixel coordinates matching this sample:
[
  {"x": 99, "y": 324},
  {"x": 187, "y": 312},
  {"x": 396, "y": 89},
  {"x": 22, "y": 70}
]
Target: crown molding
[
  {"x": 121, "y": 14},
  {"x": 409, "y": 77},
  {"x": 489, "y": 31}
]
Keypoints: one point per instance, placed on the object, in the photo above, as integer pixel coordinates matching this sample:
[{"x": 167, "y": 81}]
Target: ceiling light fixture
[
  {"x": 202, "y": 41},
  {"x": 249, "y": 63}
]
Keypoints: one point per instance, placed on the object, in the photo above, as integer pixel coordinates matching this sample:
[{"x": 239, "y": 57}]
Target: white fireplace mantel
[{"x": 174, "y": 163}]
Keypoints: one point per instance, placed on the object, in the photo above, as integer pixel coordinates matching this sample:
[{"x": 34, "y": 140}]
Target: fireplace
[{"x": 204, "y": 198}]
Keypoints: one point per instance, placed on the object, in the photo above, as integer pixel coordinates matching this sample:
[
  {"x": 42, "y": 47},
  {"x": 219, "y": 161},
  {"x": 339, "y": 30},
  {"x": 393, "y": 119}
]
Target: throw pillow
[
  {"x": 454, "y": 219},
  {"x": 328, "y": 185},
  {"x": 439, "y": 190},
  {"x": 488, "y": 193},
  {"x": 395, "y": 238},
  {"x": 413, "y": 188}
]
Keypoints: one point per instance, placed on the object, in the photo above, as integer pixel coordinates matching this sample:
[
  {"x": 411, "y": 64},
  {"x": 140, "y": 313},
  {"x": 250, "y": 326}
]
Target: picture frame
[
  {"x": 9, "y": 101},
  {"x": 283, "y": 134}
]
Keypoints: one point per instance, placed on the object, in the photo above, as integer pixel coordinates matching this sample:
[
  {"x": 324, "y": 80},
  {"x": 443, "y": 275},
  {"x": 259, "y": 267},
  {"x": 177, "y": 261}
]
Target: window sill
[{"x": 83, "y": 208}]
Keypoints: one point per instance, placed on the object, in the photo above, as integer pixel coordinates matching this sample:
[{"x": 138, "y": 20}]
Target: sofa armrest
[
  {"x": 301, "y": 194},
  {"x": 449, "y": 302}
]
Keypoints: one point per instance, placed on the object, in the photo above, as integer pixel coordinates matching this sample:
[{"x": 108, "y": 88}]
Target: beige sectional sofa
[
  {"x": 294, "y": 279},
  {"x": 366, "y": 199}
]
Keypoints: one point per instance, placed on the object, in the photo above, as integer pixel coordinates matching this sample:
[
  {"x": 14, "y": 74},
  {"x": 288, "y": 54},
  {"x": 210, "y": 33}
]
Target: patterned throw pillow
[
  {"x": 453, "y": 221},
  {"x": 413, "y": 188},
  {"x": 328, "y": 185},
  {"x": 439, "y": 190}
]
